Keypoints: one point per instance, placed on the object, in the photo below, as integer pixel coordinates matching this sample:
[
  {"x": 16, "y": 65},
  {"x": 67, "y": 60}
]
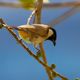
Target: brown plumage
[{"x": 35, "y": 33}]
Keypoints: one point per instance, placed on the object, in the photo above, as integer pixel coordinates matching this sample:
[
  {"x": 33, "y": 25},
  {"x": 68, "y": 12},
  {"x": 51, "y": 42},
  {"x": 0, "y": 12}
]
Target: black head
[{"x": 53, "y": 37}]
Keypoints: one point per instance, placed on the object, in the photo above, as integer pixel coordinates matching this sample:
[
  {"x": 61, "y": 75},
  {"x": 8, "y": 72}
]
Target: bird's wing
[
  {"x": 41, "y": 29},
  {"x": 38, "y": 29}
]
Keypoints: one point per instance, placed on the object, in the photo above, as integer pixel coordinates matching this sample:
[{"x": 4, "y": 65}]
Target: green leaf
[
  {"x": 1, "y": 26},
  {"x": 39, "y": 54},
  {"x": 27, "y": 4},
  {"x": 77, "y": 79},
  {"x": 53, "y": 66}
]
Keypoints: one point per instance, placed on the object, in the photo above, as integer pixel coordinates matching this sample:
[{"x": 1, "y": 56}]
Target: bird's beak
[{"x": 54, "y": 43}]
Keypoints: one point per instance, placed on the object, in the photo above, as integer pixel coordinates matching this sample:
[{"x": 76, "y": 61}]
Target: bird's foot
[{"x": 38, "y": 54}]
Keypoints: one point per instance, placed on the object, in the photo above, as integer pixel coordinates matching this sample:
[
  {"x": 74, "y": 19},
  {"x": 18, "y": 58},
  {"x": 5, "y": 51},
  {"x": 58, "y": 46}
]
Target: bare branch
[
  {"x": 64, "y": 16},
  {"x": 30, "y": 17},
  {"x": 38, "y": 21},
  {"x": 12, "y": 5},
  {"x": 29, "y": 51},
  {"x": 45, "y": 5},
  {"x": 61, "y": 5}
]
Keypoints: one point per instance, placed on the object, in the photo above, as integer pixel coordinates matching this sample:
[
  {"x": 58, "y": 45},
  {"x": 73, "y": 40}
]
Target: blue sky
[{"x": 16, "y": 64}]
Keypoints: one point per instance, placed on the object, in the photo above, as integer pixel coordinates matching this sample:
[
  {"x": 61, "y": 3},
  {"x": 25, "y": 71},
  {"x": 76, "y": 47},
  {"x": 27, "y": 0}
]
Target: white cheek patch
[{"x": 50, "y": 33}]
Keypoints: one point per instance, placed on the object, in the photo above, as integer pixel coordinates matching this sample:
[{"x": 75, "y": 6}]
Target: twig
[
  {"x": 61, "y": 5},
  {"x": 30, "y": 17},
  {"x": 28, "y": 50},
  {"x": 45, "y": 5},
  {"x": 64, "y": 16},
  {"x": 21, "y": 43},
  {"x": 38, "y": 21},
  {"x": 45, "y": 60}
]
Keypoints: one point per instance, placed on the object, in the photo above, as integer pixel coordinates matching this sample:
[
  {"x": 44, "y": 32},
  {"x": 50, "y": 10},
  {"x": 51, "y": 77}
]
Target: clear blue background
[{"x": 16, "y": 64}]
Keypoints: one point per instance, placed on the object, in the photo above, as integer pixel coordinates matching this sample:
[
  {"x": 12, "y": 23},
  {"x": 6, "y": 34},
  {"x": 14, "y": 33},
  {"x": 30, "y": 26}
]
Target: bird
[{"x": 37, "y": 33}]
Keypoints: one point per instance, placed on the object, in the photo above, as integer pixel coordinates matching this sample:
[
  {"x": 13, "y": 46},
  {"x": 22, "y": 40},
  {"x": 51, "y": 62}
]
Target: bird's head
[{"x": 53, "y": 36}]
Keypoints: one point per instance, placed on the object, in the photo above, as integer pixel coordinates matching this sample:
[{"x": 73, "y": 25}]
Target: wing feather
[{"x": 38, "y": 29}]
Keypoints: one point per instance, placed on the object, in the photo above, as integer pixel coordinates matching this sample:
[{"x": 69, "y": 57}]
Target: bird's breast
[{"x": 25, "y": 36}]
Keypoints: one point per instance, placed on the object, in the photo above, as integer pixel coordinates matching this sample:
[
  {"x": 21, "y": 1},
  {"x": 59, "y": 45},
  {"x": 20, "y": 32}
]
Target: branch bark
[
  {"x": 45, "y": 5},
  {"x": 38, "y": 21},
  {"x": 64, "y": 16},
  {"x": 30, "y": 17}
]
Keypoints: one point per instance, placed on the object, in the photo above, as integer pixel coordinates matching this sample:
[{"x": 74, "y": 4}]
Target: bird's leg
[
  {"x": 36, "y": 48},
  {"x": 38, "y": 53}
]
